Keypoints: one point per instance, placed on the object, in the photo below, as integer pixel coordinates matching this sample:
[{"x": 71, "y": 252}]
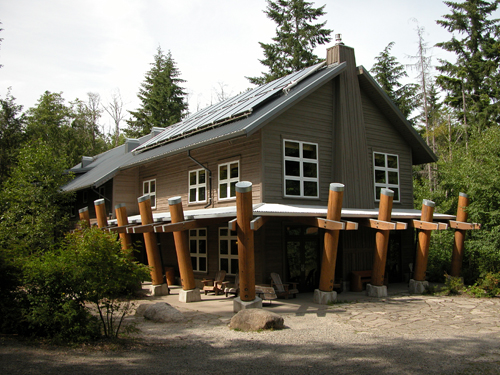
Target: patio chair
[
  {"x": 215, "y": 285},
  {"x": 283, "y": 290},
  {"x": 235, "y": 289}
]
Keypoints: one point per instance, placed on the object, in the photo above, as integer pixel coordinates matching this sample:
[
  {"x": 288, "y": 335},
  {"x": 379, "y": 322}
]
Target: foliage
[
  {"x": 487, "y": 286},
  {"x": 296, "y": 37},
  {"x": 162, "y": 98}
]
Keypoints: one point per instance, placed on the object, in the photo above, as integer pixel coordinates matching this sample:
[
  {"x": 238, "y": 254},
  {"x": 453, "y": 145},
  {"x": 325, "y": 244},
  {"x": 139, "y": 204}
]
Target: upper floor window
[
  {"x": 198, "y": 249},
  {"x": 197, "y": 186},
  {"x": 386, "y": 173},
  {"x": 149, "y": 187},
  {"x": 228, "y": 251},
  {"x": 229, "y": 176},
  {"x": 300, "y": 169}
]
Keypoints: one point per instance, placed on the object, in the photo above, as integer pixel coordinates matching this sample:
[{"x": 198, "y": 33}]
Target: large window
[
  {"x": 197, "y": 186},
  {"x": 198, "y": 249},
  {"x": 229, "y": 176},
  {"x": 149, "y": 187},
  {"x": 301, "y": 169},
  {"x": 228, "y": 251},
  {"x": 386, "y": 174}
]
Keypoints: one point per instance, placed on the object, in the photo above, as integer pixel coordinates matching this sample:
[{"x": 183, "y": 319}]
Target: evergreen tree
[
  {"x": 471, "y": 83},
  {"x": 295, "y": 39},
  {"x": 388, "y": 73},
  {"x": 162, "y": 98}
]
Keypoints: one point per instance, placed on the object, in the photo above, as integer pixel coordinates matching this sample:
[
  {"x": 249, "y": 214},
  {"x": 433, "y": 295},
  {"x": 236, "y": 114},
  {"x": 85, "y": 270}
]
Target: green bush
[{"x": 486, "y": 286}]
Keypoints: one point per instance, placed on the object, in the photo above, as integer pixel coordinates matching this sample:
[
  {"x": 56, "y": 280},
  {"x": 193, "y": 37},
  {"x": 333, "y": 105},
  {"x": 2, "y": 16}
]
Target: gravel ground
[{"x": 398, "y": 335}]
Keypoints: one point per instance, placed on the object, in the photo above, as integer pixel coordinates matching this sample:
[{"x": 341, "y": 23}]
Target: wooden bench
[{"x": 359, "y": 278}]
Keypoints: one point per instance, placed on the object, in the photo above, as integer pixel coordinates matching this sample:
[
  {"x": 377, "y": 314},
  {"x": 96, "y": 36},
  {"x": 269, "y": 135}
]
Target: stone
[
  {"x": 239, "y": 305},
  {"x": 417, "y": 287},
  {"x": 255, "y": 320},
  {"x": 157, "y": 290},
  {"x": 324, "y": 298},
  {"x": 376, "y": 291},
  {"x": 192, "y": 295},
  {"x": 160, "y": 312}
]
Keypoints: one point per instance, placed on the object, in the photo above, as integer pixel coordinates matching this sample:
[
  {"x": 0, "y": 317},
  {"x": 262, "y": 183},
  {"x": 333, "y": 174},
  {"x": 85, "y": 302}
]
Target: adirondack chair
[
  {"x": 283, "y": 290},
  {"x": 235, "y": 289},
  {"x": 215, "y": 285}
]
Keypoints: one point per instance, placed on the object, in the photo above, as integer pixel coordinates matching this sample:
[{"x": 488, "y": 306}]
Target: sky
[{"x": 102, "y": 46}]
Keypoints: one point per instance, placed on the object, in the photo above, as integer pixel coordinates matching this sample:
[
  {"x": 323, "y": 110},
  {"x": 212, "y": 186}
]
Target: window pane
[
  {"x": 202, "y": 247},
  {"x": 203, "y": 264},
  {"x": 193, "y": 263},
  {"x": 233, "y": 189},
  {"x": 202, "y": 233},
  {"x": 234, "y": 247},
  {"x": 192, "y": 178},
  {"x": 396, "y": 193},
  {"x": 234, "y": 266},
  {"x": 223, "y": 172},
  {"x": 192, "y": 195},
  {"x": 392, "y": 161},
  {"x": 153, "y": 201},
  {"x": 380, "y": 177},
  {"x": 192, "y": 232},
  {"x": 377, "y": 192},
  {"x": 224, "y": 264},
  {"x": 233, "y": 233},
  {"x": 310, "y": 188},
  {"x": 292, "y": 187},
  {"x": 152, "y": 186},
  {"x": 393, "y": 177},
  {"x": 379, "y": 160},
  {"x": 310, "y": 170},
  {"x": 223, "y": 247},
  {"x": 223, "y": 231},
  {"x": 292, "y": 149},
  {"x": 223, "y": 190},
  {"x": 309, "y": 151},
  {"x": 201, "y": 194},
  {"x": 292, "y": 168},
  {"x": 192, "y": 246},
  {"x": 201, "y": 177},
  {"x": 145, "y": 188},
  {"x": 234, "y": 170}
]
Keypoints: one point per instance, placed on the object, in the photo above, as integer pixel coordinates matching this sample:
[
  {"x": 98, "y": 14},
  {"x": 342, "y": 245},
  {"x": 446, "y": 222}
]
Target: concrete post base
[
  {"x": 192, "y": 295},
  {"x": 238, "y": 304},
  {"x": 417, "y": 287},
  {"x": 157, "y": 290},
  {"x": 324, "y": 298},
  {"x": 376, "y": 291}
]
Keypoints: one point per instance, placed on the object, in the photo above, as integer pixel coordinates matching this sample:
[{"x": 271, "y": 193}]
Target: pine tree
[
  {"x": 471, "y": 83},
  {"x": 162, "y": 97},
  {"x": 388, "y": 73},
  {"x": 295, "y": 39}
]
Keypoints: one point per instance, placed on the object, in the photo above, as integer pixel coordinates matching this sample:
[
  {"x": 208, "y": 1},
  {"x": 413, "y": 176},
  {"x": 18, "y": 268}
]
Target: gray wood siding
[
  {"x": 126, "y": 189},
  {"x": 383, "y": 137}
]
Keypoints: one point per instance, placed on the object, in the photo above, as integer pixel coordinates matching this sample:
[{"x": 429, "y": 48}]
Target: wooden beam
[
  {"x": 146, "y": 228},
  {"x": 350, "y": 225},
  {"x": 120, "y": 229},
  {"x": 464, "y": 226},
  {"x": 427, "y": 225},
  {"x": 100, "y": 211},
  {"x": 177, "y": 227},
  {"x": 382, "y": 236},
  {"x": 122, "y": 221},
  {"x": 232, "y": 224},
  {"x": 84, "y": 215},
  {"x": 330, "y": 224},
  {"x": 385, "y": 225},
  {"x": 424, "y": 240},
  {"x": 258, "y": 222}
]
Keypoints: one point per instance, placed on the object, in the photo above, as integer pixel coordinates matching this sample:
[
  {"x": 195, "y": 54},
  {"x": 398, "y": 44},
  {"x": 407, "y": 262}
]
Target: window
[
  {"x": 228, "y": 251},
  {"x": 229, "y": 175},
  {"x": 300, "y": 169},
  {"x": 197, "y": 186},
  {"x": 198, "y": 249},
  {"x": 386, "y": 174},
  {"x": 85, "y": 197},
  {"x": 149, "y": 187}
]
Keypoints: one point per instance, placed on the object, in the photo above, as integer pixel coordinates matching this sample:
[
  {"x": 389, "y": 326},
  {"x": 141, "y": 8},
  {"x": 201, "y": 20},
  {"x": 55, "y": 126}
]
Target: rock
[
  {"x": 256, "y": 319},
  {"x": 160, "y": 312}
]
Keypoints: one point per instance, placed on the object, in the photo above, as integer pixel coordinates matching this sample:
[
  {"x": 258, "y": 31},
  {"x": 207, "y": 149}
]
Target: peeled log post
[
  {"x": 122, "y": 220},
  {"x": 329, "y": 259},
  {"x": 182, "y": 245},
  {"x": 458, "y": 244},
  {"x": 150, "y": 243},
  {"x": 246, "y": 259},
  {"x": 84, "y": 215},
  {"x": 100, "y": 212},
  {"x": 424, "y": 239},
  {"x": 382, "y": 238}
]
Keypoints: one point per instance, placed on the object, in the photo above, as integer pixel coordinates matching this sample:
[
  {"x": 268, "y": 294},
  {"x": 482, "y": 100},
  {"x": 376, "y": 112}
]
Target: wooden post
[
  {"x": 122, "y": 220},
  {"x": 424, "y": 239},
  {"x": 182, "y": 245},
  {"x": 458, "y": 244},
  {"x": 329, "y": 259},
  {"x": 84, "y": 215},
  {"x": 382, "y": 238},
  {"x": 152, "y": 251},
  {"x": 100, "y": 212},
  {"x": 246, "y": 260}
]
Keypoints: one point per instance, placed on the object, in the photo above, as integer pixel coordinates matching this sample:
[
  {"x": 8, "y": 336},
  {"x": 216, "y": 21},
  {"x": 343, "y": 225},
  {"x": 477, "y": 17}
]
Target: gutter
[{"x": 209, "y": 178}]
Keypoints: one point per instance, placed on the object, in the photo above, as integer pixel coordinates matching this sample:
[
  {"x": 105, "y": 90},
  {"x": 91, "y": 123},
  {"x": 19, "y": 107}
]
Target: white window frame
[
  {"x": 194, "y": 235},
  {"x": 148, "y": 191},
  {"x": 197, "y": 186},
  {"x": 231, "y": 236},
  {"x": 301, "y": 178},
  {"x": 386, "y": 170},
  {"x": 228, "y": 180}
]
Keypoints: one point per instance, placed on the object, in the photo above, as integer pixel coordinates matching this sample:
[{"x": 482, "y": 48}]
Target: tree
[
  {"x": 296, "y": 37},
  {"x": 115, "y": 110},
  {"x": 1, "y": 39},
  {"x": 388, "y": 73},
  {"x": 471, "y": 83},
  {"x": 162, "y": 98}
]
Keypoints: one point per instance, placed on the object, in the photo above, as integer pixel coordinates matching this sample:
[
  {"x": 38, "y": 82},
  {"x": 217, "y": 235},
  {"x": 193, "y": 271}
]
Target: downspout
[{"x": 209, "y": 177}]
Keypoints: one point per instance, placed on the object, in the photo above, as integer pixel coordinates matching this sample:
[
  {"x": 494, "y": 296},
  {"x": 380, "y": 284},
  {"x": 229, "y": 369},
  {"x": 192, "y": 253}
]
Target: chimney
[
  {"x": 86, "y": 160},
  {"x": 340, "y": 53},
  {"x": 131, "y": 144},
  {"x": 155, "y": 131}
]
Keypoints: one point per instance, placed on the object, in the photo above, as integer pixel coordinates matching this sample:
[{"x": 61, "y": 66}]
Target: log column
[
  {"x": 100, "y": 212},
  {"x": 424, "y": 240},
  {"x": 150, "y": 243},
  {"x": 122, "y": 220},
  {"x": 382, "y": 238},
  {"x": 84, "y": 215},
  {"x": 458, "y": 244},
  {"x": 246, "y": 257}
]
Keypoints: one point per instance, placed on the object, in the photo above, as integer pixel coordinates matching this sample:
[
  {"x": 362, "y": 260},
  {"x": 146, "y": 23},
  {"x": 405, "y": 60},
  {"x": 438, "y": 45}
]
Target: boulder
[
  {"x": 256, "y": 319},
  {"x": 160, "y": 312}
]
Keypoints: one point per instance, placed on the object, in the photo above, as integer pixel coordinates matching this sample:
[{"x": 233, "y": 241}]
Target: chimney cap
[{"x": 338, "y": 40}]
